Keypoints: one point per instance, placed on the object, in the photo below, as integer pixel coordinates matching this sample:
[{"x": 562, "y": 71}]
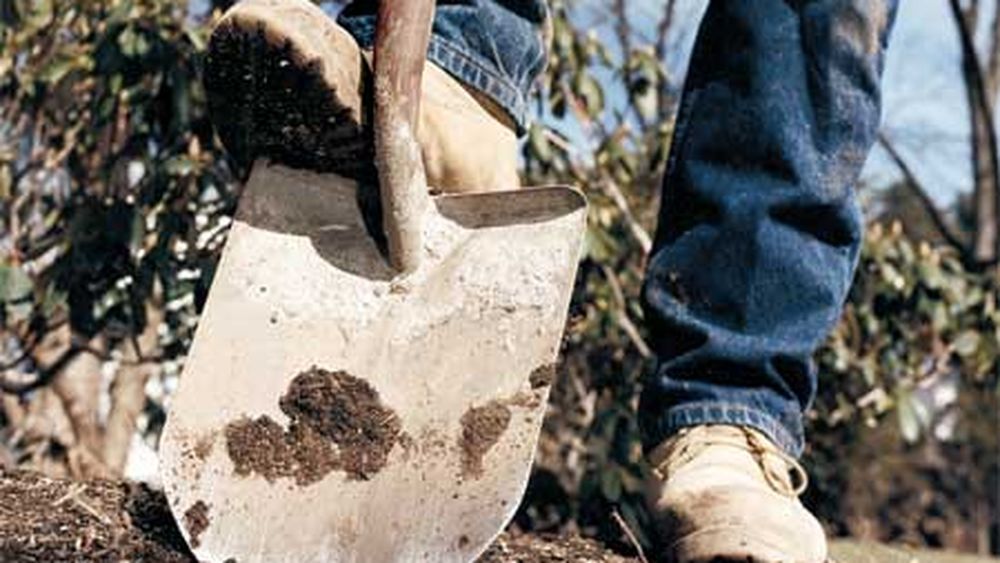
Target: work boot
[
  {"x": 727, "y": 493},
  {"x": 286, "y": 83}
]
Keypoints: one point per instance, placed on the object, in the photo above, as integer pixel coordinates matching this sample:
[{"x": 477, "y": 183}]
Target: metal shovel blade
[{"x": 332, "y": 410}]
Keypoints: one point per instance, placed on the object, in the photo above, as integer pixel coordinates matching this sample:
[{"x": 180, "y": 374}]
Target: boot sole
[
  {"x": 732, "y": 545},
  {"x": 274, "y": 91}
]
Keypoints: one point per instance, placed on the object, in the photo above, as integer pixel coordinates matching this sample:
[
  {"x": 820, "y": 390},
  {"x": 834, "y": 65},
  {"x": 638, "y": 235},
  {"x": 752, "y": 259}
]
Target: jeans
[{"x": 760, "y": 227}]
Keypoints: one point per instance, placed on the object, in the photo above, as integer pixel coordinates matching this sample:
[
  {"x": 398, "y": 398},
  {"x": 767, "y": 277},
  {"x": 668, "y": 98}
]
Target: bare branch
[
  {"x": 981, "y": 103},
  {"x": 612, "y": 190},
  {"x": 128, "y": 393},
  {"x": 664, "y": 27},
  {"x": 624, "y": 31},
  {"x": 621, "y": 314},
  {"x": 44, "y": 375},
  {"x": 917, "y": 188},
  {"x": 78, "y": 387},
  {"x": 993, "y": 66},
  {"x": 630, "y": 535},
  {"x": 663, "y": 30}
]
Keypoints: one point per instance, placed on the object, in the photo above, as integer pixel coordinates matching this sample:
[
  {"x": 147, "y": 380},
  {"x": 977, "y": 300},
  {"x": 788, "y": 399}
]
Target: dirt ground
[{"x": 44, "y": 520}]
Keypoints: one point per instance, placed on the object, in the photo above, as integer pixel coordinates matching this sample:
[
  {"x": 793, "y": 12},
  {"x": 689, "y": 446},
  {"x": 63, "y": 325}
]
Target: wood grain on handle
[{"x": 402, "y": 34}]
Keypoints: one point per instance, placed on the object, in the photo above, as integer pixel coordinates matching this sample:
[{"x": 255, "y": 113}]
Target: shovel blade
[{"x": 330, "y": 411}]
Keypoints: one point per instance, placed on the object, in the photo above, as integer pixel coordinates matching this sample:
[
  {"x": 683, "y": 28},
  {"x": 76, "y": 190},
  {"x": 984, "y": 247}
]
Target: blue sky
[
  {"x": 924, "y": 100},
  {"x": 925, "y": 109}
]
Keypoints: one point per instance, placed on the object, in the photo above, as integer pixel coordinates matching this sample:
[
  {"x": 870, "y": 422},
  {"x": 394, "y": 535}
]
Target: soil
[
  {"x": 337, "y": 422},
  {"x": 44, "y": 520},
  {"x": 526, "y": 548},
  {"x": 542, "y": 376},
  {"x": 196, "y": 521},
  {"x": 203, "y": 447},
  {"x": 481, "y": 429},
  {"x": 348, "y": 412},
  {"x": 54, "y": 520},
  {"x": 261, "y": 446}
]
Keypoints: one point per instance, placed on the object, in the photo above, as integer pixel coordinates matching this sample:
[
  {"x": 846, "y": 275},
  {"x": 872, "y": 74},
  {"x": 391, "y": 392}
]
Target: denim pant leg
[
  {"x": 759, "y": 227},
  {"x": 495, "y": 46}
]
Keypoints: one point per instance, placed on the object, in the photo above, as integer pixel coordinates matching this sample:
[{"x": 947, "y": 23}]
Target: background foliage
[{"x": 115, "y": 198}]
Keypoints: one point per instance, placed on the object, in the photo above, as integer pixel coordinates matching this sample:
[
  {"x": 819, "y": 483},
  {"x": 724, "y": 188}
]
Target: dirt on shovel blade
[
  {"x": 482, "y": 428},
  {"x": 336, "y": 422},
  {"x": 196, "y": 521}
]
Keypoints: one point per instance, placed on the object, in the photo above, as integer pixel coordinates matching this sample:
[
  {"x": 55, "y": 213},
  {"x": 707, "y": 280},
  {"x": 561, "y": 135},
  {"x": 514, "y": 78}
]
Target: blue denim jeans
[{"x": 759, "y": 228}]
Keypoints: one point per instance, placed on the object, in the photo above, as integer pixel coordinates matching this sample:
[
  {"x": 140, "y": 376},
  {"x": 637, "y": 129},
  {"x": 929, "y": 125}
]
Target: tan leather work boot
[
  {"x": 727, "y": 493},
  {"x": 285, "y": 82}
]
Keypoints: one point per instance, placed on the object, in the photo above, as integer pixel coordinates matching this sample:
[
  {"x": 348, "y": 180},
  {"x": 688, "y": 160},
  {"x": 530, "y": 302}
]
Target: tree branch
[
  {"x": 44, "y": 375},
  {"x": 662, "y": 34},
  {"x": 640, "y": 235},
  {"x": 621, "y": 314},
  {"x": 914, "y": 185},
  {"x": 976, "y": 83},
  {"x": 624, "y": 31}
]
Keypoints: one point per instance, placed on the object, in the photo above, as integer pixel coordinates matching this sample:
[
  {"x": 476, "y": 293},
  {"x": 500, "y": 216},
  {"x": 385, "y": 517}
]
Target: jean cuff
[
  {"x": 700, "y": 413},
  {"x": 467, "y": 68}
]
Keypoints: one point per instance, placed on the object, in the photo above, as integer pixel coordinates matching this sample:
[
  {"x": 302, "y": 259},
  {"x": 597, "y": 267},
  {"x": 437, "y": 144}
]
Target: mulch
[{"x": 43, "y": 520}]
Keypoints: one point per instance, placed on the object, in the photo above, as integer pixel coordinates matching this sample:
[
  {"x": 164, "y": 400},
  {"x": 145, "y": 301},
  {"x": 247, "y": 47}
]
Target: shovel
[{"x": 351, "y": 397}]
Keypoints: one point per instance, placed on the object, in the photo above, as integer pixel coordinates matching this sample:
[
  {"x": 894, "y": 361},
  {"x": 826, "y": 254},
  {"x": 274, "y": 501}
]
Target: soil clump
[
  {"x": 336, "y": 422},
  {"x": 196, "y": 521},
  {"x": 542, "y": 376},
  {"x": 481, "y": 429}
]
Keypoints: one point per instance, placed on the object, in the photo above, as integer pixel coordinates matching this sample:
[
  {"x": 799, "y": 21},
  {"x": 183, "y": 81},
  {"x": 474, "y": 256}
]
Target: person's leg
[
  {"x": 492, "y": 50},
  {"x": 496, "y": 47},
  {"x": 760, "y": 228},
  {"x": 287, "y": 83}
]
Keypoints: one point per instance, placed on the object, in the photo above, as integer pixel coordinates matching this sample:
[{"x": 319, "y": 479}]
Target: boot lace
[{"x": 782, "y": 472}]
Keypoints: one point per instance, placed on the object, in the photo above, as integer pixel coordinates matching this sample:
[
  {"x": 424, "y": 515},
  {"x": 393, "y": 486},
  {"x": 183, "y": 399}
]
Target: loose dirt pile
[
  {"x": 526, "y": 548},
  {"x": 48, "y": 520},
  {"x": 337, "y": 422},
  {"x": 45, "y": 520}
]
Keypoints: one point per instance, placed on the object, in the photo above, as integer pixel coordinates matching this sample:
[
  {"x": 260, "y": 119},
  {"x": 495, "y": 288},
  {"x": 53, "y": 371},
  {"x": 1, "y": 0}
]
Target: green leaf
[
  {"x": 611, "y": 484},
  {"x": 599, "y": 246},
  {"x": 15, "y": 285},
  {"x": 589, "y": 90},
  {"x": 539, "y": 144},
  {"x": 59, "y": 68},
  {"x": 6, "y": 182},
  {"x": 133, "y": 43},
  {"x": 966, "y": 343},
  {"x": 912, "y": 414},
  {"x": 179, "y": 165}
]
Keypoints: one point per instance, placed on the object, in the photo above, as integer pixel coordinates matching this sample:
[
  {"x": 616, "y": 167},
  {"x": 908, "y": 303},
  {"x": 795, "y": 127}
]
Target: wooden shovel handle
[{"x": 402, "y": 33}]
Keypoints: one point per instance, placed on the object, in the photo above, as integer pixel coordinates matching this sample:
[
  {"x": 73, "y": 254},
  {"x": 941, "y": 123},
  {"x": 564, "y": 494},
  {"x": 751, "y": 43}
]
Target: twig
[
  {"x": 630, "y": 535},
  {"x": 624, "y": 30},
  {"x": 918, "y": 190},
  {"x": 664, "y": 27},
  {"x": 611, "y": 189},
  {"x": 662, "y": 33},
  {"x": 621, "y": 314},
  {"x": 44, "y": 376},
  {"x": 74, "y": 494}
]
